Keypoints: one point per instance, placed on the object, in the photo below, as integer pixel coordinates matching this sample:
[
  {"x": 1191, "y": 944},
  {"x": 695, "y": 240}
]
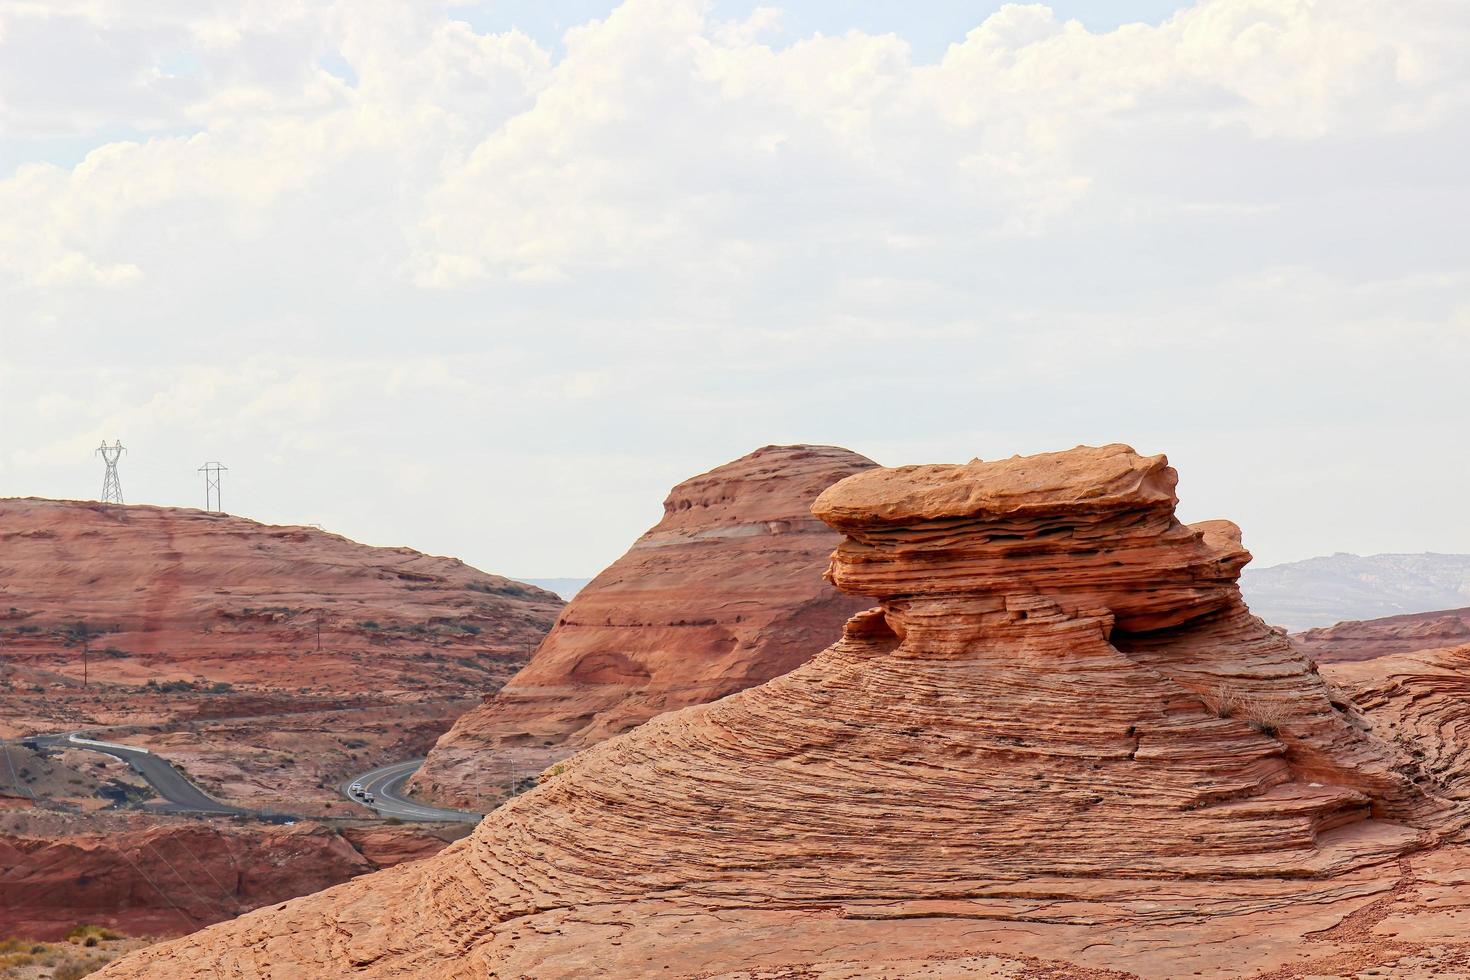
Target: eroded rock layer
[
  {"x": 1366, "y": 639},
  {"x": 725, "y": 592},
  {"x": 1059, "y": 743},
  {"x": 1421, "y": 702}
]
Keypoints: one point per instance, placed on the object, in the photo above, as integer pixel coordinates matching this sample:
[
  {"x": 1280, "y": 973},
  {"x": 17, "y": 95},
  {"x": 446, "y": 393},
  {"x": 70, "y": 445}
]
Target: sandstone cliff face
[
  {"x": 725, "y": 592},
  {"x": 1364, "y": 640},
  {"x": 182, "y": 592},
  {"x": 1059, "y": 744}
]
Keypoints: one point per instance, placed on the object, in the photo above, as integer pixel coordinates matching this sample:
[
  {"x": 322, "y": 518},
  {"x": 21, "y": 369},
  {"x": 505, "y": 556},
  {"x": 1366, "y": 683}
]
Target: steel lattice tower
[
  {"x": 211, "y": 473},
  {"x": 111, "y": 486}
]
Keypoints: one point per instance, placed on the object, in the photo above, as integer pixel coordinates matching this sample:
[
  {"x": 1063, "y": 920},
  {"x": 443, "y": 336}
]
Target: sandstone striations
[
  {"x": 1421, "y": 701},
  {"x": 1059, "y": 746},
  {"x": 725, "y": 592},
  {"x": 1364, "y": 640}
]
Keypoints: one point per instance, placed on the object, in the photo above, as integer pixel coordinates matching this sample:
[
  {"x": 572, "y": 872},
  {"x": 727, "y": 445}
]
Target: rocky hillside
[
  {"x": 269, "y": 663},
  {"x": 1059, "y": 746},
  {"x": 178, "y": 876},
  {"x": 1379, "y": 637},
  {"x": 725, "y": 592},
  {"x": 1319, "y": 592},
  {"x": 170, "y": 594}
]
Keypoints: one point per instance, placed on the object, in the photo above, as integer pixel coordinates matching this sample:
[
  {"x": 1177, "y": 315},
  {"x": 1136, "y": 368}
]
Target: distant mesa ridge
[{"x": 1324, "y": 591}]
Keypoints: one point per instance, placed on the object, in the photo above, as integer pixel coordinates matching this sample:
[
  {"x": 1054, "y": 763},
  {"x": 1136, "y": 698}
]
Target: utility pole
[
  {"x": 111, "y": 486},
  {"x": 211, "y": 472},
  {"x": 81, "y": 631}
]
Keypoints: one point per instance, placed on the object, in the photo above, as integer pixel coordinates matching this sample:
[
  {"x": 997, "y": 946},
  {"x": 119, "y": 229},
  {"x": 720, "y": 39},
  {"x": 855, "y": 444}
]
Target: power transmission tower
[
  {"x": 211, "y": 473},
  {"x": 111, "y": 487}
]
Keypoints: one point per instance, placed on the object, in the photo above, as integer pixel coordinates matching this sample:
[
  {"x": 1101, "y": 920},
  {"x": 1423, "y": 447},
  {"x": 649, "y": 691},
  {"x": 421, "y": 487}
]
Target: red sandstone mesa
[
  {"x": 1060, "y": 746},
  {"x": 725, "y": 592}
]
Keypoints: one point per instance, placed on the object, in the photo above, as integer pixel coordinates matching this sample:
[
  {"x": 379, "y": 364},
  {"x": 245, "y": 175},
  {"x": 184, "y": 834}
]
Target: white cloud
[{"x": 363, "y": 232}]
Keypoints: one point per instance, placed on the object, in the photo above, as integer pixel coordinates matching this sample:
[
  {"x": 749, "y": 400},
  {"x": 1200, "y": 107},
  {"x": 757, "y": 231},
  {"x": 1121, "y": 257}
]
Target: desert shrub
[
  {"x": 85, "y": 931},
  {"x": 75, "y": 970},
  {"x": 1223, "y": 701},
  {"x": 1266, "y": 717},
  {"x": 221, "y": 687},
  {"x": 116, "y": 654}
]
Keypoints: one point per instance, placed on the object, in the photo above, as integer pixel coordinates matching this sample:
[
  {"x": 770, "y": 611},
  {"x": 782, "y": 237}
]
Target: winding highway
[
  {"x": 184, "y": 796},
  {"x": 386, "y": 786}
]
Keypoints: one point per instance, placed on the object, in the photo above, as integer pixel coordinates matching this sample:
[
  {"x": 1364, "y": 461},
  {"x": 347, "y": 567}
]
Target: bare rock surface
[
  {"x": 1059, "y": 746},
  {"x": 725, "y": 592},
  {"x": 1421, "y": 702},
  {"x": 1364, "y": 640}
]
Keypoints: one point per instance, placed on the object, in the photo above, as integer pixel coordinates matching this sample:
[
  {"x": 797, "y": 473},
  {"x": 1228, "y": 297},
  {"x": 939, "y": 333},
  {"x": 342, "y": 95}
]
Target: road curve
[
  {"x": 386, "y": 785},
  {"x": 182, "y": 795}
]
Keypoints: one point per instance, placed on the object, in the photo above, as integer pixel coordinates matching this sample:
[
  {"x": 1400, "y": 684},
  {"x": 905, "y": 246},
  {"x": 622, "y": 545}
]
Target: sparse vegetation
[
  {"x": 1223, "y": 701},
  {"x": 93, "y": 932},
  {"x": 1266, "y": 717}
]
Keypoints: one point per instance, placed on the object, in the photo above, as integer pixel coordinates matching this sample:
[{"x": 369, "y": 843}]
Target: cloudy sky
[{"x": 486, "y": 279}]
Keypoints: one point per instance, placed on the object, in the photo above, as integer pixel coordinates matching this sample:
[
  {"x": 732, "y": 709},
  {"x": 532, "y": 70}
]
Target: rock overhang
[{"x": 1091, "y": 529}]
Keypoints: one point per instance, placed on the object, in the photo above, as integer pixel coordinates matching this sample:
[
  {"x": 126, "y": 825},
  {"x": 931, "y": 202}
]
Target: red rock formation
[
  {"x": 163, "y": 880},
  {"x": 1364, "y": 640},
  {"x": 186, "y": 592},
  {"x": 1060, "y": 744},
  {"x": 723, "y": 593},
  {"x": 1420, "y": 701},
  {"x": 390, "y": 846}
]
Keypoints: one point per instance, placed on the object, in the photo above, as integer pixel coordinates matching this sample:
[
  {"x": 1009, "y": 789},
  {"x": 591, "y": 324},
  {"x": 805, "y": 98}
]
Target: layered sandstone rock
[
  {"x": 1421, "y": 702},
  {"x": 1364, "y": 640},
  {"x": 1059, "y": 744},
  {"x": 725, "y": 592}
]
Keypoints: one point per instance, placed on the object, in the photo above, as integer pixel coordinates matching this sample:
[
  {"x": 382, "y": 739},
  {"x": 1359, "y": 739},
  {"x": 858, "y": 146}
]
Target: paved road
[
  {"x": 182, "y": 795},
  {"x": 386, "y": 785}
]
